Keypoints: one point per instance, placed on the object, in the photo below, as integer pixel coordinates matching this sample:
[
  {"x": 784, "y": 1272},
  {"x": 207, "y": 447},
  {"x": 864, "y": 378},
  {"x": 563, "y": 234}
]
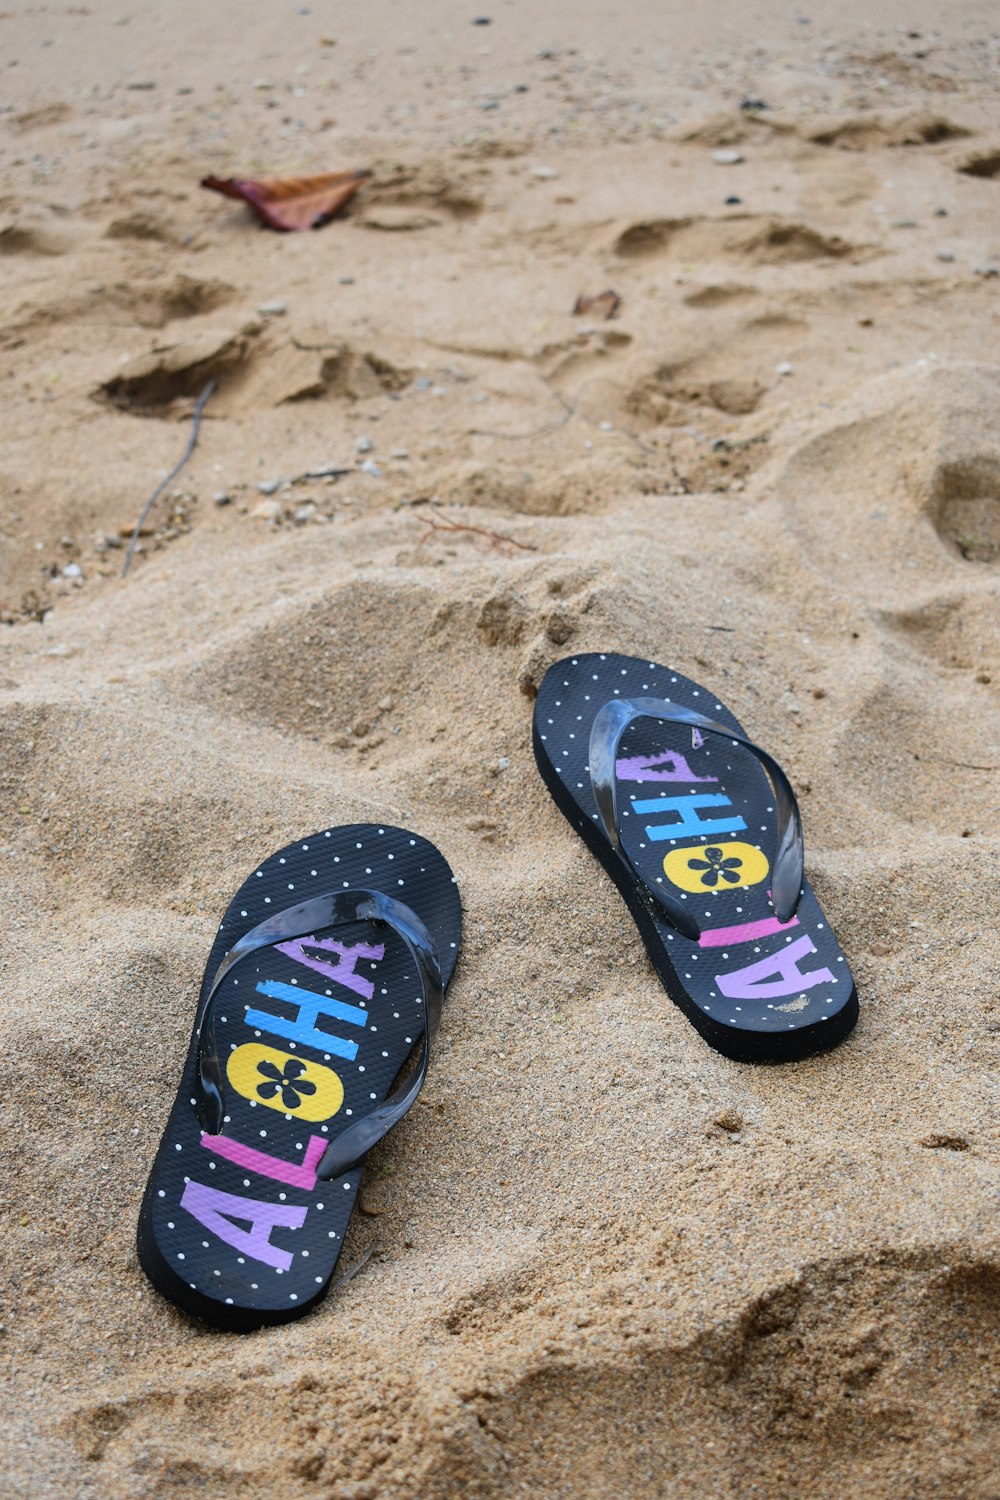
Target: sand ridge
[{"x": 607, "y": 1261}]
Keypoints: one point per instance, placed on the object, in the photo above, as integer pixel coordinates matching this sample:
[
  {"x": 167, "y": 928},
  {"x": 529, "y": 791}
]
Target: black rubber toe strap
[
  {"x": 333, "y": 909},
  {"x": 605, "y": 736}
]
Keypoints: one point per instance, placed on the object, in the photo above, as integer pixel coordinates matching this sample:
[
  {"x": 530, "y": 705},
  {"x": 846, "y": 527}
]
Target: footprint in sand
[
  {"x": 910, "y": 469},
  {"x": 763, "y": 240}
]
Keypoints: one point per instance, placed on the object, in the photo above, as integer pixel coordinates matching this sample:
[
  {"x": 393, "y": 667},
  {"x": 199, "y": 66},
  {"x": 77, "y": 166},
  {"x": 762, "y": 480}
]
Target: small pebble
[
  {"x": 347, "y": 280},
  {"x": 751, "y": 105},
  {"x": 422, "y": 383},
  {"x": 400, "y": 453},
  {"x": 727, "y": 158},
  {"x": 483, "y": 21},
  {"x": 222, "y": 497},
  {"x": 269, "y": 486},
  {"x": 72, "y": 570},
  {"x": 267, "y": 510},
  {"x": 732, "y": 200},
  {"x": 988, "y": 271},
  {"x": 945, "y": 255},
  {"x": 371, "y": 468},
  {"x": 940, "y": 213},
  {"x": 305, "y": 513},
  {"x": 544, "y": 174},
  {"x": 784, "y": 368},
  {"x": 272, "y": 309},
  {"x": 141, "y": 85},
  {"x": 363, "y": 445},
  {"x": 503, "y": 763}
]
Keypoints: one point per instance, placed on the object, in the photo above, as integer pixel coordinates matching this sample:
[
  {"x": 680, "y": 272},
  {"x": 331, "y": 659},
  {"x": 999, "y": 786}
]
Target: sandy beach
[{"x": 607, "y": 1262}]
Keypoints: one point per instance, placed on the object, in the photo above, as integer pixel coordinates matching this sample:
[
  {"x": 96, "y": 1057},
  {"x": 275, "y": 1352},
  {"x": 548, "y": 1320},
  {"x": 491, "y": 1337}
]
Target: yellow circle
[
  {"x": 270, "y": 1077},
  {"x": 715, "y": 867}
]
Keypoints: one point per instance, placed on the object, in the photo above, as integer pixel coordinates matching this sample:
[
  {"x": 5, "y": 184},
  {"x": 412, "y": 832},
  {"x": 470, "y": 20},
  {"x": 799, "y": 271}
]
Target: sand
[{"x": 608, "y": 1262}]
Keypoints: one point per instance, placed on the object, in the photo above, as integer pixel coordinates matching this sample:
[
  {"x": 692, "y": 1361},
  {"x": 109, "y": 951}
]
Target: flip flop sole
[
  {"x": 237, "y": 1228},
  {"x": 697, "y": 812}
]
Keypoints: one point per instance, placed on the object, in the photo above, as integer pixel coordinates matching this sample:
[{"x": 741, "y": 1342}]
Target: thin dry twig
[
  {"x": 330, "y": 472},
  {"x": 191, "y": 445},
  {"x": 358, "y": 1265},
  {"x": 569, "y": 409},
  {"x": 498, "y": 538}
]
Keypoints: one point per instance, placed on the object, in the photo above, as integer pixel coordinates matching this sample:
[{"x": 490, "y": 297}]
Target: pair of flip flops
[{"x": 323, "y": 990}]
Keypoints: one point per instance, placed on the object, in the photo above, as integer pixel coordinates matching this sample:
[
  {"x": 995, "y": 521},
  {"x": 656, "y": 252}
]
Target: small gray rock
[
  {"x": 269, "y": 486},
  {"x": 363, "y": 445}
]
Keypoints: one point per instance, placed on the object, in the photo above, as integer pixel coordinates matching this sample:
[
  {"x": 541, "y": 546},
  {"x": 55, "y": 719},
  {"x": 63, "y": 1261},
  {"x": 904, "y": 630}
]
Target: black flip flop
[
  {"x": 324, "y": 980},
  {"x": 666, "y": 790}
]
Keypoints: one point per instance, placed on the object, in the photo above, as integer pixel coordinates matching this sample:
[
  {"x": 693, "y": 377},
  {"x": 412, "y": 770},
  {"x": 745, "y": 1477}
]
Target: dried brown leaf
[
  {"x": 607, "y": 303},
  {"x": 291, "y": 203}
]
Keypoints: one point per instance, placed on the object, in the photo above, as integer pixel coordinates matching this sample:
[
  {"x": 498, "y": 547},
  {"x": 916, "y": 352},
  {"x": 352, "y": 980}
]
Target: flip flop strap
[
  {"x": 606, "y": 732},
  {"x": 332, "y": 909}
]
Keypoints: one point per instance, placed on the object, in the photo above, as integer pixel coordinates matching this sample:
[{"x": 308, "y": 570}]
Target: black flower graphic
[
  {"x": 288, "y": 1079},
  {"x": 716, "y": 868}
]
